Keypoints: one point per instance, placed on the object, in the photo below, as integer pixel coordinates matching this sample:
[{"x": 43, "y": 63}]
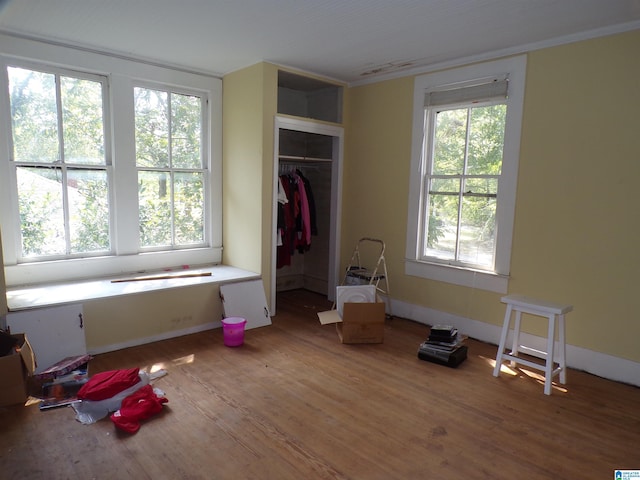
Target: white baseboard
[
  {"x": 596, "y": 363},
  {"x": 155, "y": 338}
]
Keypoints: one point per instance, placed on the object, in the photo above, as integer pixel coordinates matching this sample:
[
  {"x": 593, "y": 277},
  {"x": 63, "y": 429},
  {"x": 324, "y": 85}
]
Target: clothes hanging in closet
[
  {"x": 282, "y": 200},
  {"x": 296, "y": 216}
]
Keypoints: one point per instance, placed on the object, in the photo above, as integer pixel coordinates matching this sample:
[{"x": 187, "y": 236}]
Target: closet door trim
[{"x": 337, "y": 133}]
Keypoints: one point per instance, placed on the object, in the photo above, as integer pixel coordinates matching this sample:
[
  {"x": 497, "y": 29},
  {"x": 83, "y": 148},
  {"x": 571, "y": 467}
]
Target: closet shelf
[{"x": 296, "y": 158}]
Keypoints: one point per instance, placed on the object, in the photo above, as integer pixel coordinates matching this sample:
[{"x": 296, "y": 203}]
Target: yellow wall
[
  {"x": 576, "y": 226},
  {"x": 580, "y": 143},
  {"x": 270, "y": 108},
  {"x": 376, "y": 170},
  {"x": 249, "y": 106},
  {"x": 3, "y": 298},
  {"x": 242, "y": 167},
  {"x": 125, "y": 319}
]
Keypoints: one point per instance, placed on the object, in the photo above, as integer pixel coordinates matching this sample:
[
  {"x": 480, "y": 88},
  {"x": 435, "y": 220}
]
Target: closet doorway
[{"x": 306, "y": 254}]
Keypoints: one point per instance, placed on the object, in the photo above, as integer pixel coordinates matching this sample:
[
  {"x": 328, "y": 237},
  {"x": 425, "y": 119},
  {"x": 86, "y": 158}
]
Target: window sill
[
  {"x": 23, "y": 298},
  {"x": 458, "y": 276}
]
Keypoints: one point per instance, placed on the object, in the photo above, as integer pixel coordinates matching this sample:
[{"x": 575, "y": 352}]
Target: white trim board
[
  {"x": 47, "y": 295},
  {"x": 596, "y": 363}
]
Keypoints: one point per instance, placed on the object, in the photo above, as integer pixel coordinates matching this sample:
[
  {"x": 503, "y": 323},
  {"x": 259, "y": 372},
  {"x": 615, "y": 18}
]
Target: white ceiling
[{"x": 349, "y": 40}]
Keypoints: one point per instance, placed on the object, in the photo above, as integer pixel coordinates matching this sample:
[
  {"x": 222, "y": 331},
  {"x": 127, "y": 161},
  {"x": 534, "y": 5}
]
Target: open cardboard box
[
  {"x": 15, "y": 370},
  {"x": 360, "y": 322}
]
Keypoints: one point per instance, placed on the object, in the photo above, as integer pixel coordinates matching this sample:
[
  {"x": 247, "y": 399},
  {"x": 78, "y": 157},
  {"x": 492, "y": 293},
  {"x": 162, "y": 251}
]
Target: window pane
[
  {"x": 154, "y": 198},
  {"x": 88, "y": 210},
  {"x": 189, "y": 214},
  {"x": 151, "y": 128},
  {"x": 486, "y": 139},
  {"x": 41, "y": 211},
  {"x": 465, "y": 232},
  {"x": 449, "y": 142},
  {"x": 481, "y": 186},
  {"x": 185, "y": 131},
  {"x": 169, "y": 135},
  {"x": 477, "y": 231},
  {"x": 82, "y": 121},
  {"x": 34, "y": 115},
  {"x": 442, "y": 218}
]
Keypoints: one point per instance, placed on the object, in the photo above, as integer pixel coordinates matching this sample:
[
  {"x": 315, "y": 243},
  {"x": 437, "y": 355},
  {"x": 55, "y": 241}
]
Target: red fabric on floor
[
  {"x": 107, "y": 384},
  {"x": 142, "y": 404}
]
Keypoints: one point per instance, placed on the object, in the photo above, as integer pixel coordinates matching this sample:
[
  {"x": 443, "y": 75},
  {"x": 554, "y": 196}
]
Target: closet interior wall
[{"x": 310, "y": 154}]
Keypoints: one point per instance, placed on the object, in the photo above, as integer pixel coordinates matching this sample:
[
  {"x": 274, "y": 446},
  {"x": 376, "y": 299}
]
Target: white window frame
[
  {"x": 203, "y": 143},
  {"x": 106, "y": 167},
  {"x": 122, "y": 74},
  {"x": 497, "y": 281}
]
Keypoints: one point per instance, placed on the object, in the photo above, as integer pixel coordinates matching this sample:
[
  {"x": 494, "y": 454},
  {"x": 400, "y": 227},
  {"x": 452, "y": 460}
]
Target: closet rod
[{"x": 303, "y": 159}]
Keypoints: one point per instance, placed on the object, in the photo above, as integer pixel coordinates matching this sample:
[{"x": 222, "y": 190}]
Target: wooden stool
[{"x": 551, "y": 311}]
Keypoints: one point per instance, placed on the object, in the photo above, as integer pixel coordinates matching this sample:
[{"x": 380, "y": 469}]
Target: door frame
[{"x": 286, "y": 123}]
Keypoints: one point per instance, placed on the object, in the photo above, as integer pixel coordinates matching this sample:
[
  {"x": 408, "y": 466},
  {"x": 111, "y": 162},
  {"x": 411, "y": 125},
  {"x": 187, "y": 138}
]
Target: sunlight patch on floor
[
  {"x": 520, "y": 371},
  {"x": 503, "y": 369},
  {"x": 157, "y": 367}
]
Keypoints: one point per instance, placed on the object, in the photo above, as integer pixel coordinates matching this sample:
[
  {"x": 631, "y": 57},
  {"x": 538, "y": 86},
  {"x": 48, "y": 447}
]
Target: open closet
[
  {"x": 307, "y": 185},
  {"x": 304, "y": 211}
]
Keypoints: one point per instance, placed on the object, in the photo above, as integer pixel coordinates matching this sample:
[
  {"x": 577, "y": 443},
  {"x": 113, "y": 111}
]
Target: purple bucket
[{"x": 233, "y": 331}]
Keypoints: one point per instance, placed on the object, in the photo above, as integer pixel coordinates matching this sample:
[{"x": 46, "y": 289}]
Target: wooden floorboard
[{"x": 294, "y": 403}]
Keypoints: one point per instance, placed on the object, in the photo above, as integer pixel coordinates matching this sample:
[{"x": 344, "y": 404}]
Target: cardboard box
[
  {"x": 15, "y": 370},
  {"x": 360, "y": 322}
]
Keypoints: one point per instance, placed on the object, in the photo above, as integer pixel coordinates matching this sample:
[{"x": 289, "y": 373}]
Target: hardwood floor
[{"x": 294, "y": 403}]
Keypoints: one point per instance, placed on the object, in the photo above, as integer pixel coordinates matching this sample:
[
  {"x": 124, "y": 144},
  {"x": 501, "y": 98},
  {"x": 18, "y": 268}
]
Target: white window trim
[
  {"x": 122, "y": 74},
  {"x": 204, "y": 142},
  {"x": 497, "y": 281}
]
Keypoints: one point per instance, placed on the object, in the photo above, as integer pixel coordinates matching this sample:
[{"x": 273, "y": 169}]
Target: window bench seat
[{"x": 37, "y": 296}]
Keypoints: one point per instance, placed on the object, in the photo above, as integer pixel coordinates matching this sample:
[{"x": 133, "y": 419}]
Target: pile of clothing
[{"x": 125, "y": 395}]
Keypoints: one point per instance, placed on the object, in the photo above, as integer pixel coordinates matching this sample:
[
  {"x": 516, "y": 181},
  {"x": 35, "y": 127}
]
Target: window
[
  {"x": 171, "y": 198},
  {"x": 59, "y": 154},
  {"x": 463, "y": 163},
  {"x": 107, "y": 165},
  {"x": 465, "y": 151}
]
